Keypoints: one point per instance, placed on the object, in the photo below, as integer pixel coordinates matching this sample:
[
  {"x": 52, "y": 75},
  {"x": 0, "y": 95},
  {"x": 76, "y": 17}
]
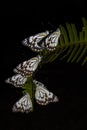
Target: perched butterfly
[
  {"x": 27, "y": 68},
  {"x": 17, "y": 80},
  {"x": 51, "y": 40},
  {"x": 33, "y": 41},
  {"x": 42, "y": 95},
  {"x": 23, "y": 105}
]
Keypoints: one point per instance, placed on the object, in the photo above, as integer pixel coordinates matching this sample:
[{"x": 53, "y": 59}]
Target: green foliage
[
  {"x": 29, "y": 87},
  {"x": 72, "y": 46}
]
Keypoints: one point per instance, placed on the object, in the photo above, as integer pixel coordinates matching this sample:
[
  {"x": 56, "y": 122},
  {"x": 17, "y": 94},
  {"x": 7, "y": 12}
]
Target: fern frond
[
  {"x": 82, "y": 54},
  {"x": 73, "y": 52},
  {"x": 70, "y": 32},
  {"x": 81, "y": 35},
  {"x": 85, "y": 27},
  {"x": 64, "y": 34},
  {"x": 81, "y": 47},
  {"x": 84, "y": 61},
  {"x": 72, "y": 46},
  {"x": 75, "y": 34}
]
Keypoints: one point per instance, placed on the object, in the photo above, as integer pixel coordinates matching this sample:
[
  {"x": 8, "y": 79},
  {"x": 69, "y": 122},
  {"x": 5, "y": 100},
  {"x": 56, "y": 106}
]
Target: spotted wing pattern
[
  {"x": 17, "y": 80},
  {"x": 33, "y": 42},
  {"x": 27, "y": 68},
  {"x": 42, "y": 95},
  {"x": 23, "y": 105},
  {"x": 51, "y": 40}
]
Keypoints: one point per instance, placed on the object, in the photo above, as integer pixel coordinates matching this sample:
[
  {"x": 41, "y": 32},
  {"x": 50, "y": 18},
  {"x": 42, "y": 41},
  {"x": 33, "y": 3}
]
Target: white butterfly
[
  {"x": 51, "y": 40},
  {"x": 23, "y": 105},
  {"x": 17, "y": 80},
  {"x": 42, "y": 95},
  {"x": 33, "y": 42},
  {"x": 27, "y": 68}
]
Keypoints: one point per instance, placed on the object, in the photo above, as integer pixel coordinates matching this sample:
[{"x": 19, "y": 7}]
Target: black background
[{"x": 68, "y": 82}]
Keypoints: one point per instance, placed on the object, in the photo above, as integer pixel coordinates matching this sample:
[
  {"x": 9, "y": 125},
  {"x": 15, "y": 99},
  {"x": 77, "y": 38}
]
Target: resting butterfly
[
  {"x": 42, "y": 95},
  {"x": 51, "y": 40},
  {"x": 27, "y": 68},
  {"x": 17, "y": 80},
  {"x": 23, "y": 105},
  {"x": 33, "y": 41}
]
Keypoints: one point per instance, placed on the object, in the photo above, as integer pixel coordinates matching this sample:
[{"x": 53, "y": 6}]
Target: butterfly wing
[
  {"x": 17, "y": 80},
  {"x": 33, "y": 41},
  {"x": 28, "y": 67},
  {"x": 42, "y": 95},
  {"x": 51, "y": 41},
  {"x": 23, "y": 105}
]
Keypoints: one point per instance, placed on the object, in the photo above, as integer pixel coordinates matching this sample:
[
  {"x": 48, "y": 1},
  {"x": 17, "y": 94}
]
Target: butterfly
[
  {"x": 33, "y": 41},
  {"x": 51, "y": 40},
  {"x": 23, "y": 105},
  {"x": 17, "y": 80},
  {"x": 27, "y": 68},
  {"x": 42, "y": 95}
]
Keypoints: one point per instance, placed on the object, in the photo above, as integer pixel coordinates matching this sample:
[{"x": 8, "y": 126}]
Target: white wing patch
[
  {"x": 33, "y": 41},
  {"x": 51, "y": 41},
  {"x": 17, "y": 80},
  {"x": 28, "y": 67},
  {"x": 24, "y": 105},
  {"x": 42, "y": 95}
]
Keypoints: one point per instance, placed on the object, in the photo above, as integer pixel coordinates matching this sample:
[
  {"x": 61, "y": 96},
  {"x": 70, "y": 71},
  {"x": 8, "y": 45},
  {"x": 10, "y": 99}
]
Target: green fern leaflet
[{"x": 72, "y": 46}]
